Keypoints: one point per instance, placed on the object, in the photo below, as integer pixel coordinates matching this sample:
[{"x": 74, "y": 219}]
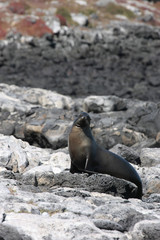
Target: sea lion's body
[{"x": 87, "y": 156}]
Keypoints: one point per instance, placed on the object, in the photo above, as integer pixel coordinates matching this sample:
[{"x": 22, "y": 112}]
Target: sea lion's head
[{"x": 83, "y": 120}]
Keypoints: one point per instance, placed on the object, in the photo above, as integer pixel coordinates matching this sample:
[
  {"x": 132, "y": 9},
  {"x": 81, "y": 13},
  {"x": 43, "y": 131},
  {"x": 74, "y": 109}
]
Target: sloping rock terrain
[
  {"x": 120, "y": 60},
  {"x": 58, "y": 58},
  {"x": 41, "y": 199}
]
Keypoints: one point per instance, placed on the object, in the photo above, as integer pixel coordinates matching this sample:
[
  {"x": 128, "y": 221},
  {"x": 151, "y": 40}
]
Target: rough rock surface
[
  {"x": 40, "y": 199},
  {"x": 120, "y": 60}
]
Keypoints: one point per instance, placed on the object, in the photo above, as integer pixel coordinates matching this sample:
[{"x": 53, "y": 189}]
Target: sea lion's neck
[{"x": 87, "y": 132}]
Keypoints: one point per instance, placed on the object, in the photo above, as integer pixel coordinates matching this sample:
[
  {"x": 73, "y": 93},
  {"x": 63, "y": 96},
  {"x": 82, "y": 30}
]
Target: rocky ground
[
  {"x": 122, "y": 60},
  {"x": 58, "y": 58},
  {"x": 40, "y": 199},
  {"x": 116, "y": 54}
]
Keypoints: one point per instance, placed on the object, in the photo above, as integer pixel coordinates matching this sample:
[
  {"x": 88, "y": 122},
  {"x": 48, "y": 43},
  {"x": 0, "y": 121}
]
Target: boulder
[
  {"x": 150, "y": 157},
  {"x": 19, "y": 156},
  {"x": 147, "y": 229},
  {"x": 80, "y": 18},
  {"x": 97, "y": 182},
  {"x": 126, "y": 152},
  {"x": 39, "y": 176}
]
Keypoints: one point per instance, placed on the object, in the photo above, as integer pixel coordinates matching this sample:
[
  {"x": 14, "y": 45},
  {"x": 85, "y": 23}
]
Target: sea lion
[{"x": 87, "y": 156}]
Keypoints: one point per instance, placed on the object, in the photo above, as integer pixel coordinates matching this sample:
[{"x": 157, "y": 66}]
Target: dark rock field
[{"x": 122, "y": 60}]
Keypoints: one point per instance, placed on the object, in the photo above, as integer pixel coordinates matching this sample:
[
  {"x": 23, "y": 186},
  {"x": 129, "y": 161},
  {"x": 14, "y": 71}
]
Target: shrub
[
  {"x": 88, "y": 11},
  {"x": 115, "y": 9},
  {"x": 64, "y": 12},
  {"x": 3, "y": 29}
]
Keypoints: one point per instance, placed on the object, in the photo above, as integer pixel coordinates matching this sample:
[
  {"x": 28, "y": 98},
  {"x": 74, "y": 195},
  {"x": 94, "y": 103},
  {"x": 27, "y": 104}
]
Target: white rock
[
  {"x": 55, "y": 26},
  {"x": 150, "y": 157},
  {"x": 81, "y": 2},
  {"x": 11, "y": 103},
  {"x": 99, "y": 103},
  {"x": 150, "y": 178},
  {"x": 104, "y": 3},
  {"x": 122, "y": 17},
  {"x": 81, "y": 19},
  {"x": 146, "y": 229},
  {"x": 15, "y": 155},
  {"x": 42, "y": 227},
  {"x": 79, "y": 206},
  {"x": 53, "y": 99},
  {"x": 40, "y": 176},
  {"x": 19, "y": 155},
  {"x": 59, "y": 162},
  {"x": 21, "y": 98}
]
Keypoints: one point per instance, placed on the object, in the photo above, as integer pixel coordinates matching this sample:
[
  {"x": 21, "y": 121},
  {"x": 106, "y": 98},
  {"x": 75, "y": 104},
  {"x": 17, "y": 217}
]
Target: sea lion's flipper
[
  {"x": 74, "y": 169},
  {"x": 139, "y": 190}
]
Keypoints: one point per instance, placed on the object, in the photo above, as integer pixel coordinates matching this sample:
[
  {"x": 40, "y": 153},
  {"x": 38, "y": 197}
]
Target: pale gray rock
[
  {"x": 55, "y": 214},
  {"x": 59, "y": 161},
  {"x": 155, "y": 197},
  {"x": 79, "y": 206},
  {"x": 54, "y": 25},
  {"x": 45, "y": 227},
  {"x": 18, "y": 155},
  {"x": 108, "y": 225},
  {"x": 46, "y": 121},
  {"x": 80, "y": 18},
  {"x": 151, "y": 179},
  {"x": 147, "y": 229},
  {"x": 39, "y": 176},
  {"x": 40, "y": 199},
  {"x": 126, "y": 215},
  {"x": 150, "y": 157},
  {"x": 104, "y": 3},
  {"x": 81, "y": 2},
  {"x": 52, "y": 99},
  {"x": 11, "y": 103},
  {"x": 99, "y": 104},
  {"x": 15, "y": 98}
]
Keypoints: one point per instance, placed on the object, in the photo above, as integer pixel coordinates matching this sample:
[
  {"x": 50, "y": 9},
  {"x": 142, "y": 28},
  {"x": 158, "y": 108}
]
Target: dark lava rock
[
  {"x": 80, "y": 63},
  {"x": 96, "y": 183},
  {"x": 126, "y": 152}
]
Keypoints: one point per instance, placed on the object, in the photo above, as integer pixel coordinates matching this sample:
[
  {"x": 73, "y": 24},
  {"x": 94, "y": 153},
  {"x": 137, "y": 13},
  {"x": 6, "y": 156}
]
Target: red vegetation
[
  {"x": 2, "y": 33},
  {"x": 62, "y": 20},
  {"x": 18, "y": 7},
  {"x": 36, "y": 28},
  {"x": 3, "y": 29}
]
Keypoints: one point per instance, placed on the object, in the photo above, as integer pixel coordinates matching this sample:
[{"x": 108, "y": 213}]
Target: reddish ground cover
[
  {"x": 18, "y": 7},
  {"x": 32, "y": 27}
]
